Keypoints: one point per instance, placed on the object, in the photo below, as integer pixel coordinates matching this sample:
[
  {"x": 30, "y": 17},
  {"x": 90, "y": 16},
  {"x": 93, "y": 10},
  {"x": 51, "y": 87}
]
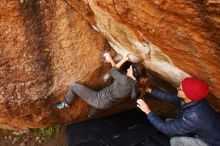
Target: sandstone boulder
[{"x": 47, "y": 44}]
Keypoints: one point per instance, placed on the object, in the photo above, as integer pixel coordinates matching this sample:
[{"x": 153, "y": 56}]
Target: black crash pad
[{"x": 125, "y": 129}]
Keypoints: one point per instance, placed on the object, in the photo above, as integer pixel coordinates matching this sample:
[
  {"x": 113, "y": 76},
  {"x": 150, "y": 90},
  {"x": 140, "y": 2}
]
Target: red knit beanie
[{"x": 195, "y": 89}]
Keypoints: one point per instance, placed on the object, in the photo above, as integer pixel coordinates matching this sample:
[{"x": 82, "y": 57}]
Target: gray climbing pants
[
  {"x": 99, "y": 100},
  {"x": 186, "y": 141}
]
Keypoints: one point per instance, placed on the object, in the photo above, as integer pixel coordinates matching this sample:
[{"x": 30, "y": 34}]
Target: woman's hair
[{"x": 142, "y": 78}]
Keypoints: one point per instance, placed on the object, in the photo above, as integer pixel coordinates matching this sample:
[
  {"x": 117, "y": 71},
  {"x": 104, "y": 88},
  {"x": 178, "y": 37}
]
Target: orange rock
[
  {"x": 45, "y": 45},
  {"x": 43, "y": 49}
]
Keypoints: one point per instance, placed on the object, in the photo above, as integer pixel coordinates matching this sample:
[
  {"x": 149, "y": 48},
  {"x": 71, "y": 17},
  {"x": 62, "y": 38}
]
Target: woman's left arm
[{"x": 122, "y": 61}]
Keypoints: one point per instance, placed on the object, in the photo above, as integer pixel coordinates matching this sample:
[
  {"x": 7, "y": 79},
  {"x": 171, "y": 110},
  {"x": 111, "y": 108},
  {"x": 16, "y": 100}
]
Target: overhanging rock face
[
  {"x": 45, "y": 45},
  {"x": 176, "y": 39}
]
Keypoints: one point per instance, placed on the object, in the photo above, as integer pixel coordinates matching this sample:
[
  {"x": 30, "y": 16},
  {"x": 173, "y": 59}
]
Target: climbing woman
[{"x": 122, "y": 87}]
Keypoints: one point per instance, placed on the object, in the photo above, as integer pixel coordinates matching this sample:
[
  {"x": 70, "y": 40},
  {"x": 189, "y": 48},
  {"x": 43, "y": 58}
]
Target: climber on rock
[
  {"x": 196, "y": 116},
  {"x": 124, "y": 85}
]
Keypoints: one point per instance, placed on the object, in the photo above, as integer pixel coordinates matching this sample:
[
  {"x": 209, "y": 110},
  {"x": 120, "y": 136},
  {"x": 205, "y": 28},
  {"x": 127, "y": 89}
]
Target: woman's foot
[{"x": 61, "y": 105}]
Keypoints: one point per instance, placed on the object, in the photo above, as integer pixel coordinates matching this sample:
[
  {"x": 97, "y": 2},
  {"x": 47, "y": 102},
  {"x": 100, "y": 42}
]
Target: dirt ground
[{"x": 34, "y": 137}]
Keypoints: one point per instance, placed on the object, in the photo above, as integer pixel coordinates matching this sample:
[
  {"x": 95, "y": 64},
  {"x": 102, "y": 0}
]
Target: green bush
[{"x": 47, "y": 132}]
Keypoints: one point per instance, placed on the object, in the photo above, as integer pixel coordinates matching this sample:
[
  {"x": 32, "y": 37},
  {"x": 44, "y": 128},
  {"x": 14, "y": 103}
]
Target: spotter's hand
[{"x": 143, "y": 106}]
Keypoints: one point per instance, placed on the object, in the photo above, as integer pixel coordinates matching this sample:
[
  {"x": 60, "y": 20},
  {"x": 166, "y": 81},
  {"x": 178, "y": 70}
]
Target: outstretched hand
[{"x": 143, "y": 106}]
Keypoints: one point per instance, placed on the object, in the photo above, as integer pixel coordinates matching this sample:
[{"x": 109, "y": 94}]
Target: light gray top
[{"x": 123, "y": 86}]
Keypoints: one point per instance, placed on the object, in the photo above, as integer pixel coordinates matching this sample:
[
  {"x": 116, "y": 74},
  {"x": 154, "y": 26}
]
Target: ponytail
[
  {"x": 142, "y": 83},
  {"x": 139, "y": 73}
]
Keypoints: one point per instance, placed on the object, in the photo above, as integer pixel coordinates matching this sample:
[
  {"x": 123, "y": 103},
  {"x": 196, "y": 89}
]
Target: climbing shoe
[{"x": 61, "y": 105}]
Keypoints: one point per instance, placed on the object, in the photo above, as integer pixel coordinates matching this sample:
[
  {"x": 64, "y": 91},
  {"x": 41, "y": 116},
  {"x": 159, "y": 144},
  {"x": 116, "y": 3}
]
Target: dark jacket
[{"x": 197, "y": 117}]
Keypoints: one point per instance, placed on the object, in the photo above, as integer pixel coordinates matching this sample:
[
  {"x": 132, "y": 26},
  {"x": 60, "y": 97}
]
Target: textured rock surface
[
  {"x": 46, "y": 44},
  {"x": 182, "y": 34},
  {"x": 175, "y": 38}
]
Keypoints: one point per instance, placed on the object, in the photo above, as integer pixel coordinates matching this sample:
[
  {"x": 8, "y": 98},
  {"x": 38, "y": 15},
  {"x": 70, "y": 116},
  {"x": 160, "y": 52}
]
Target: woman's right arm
[{"x": 120, "y": 63}]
